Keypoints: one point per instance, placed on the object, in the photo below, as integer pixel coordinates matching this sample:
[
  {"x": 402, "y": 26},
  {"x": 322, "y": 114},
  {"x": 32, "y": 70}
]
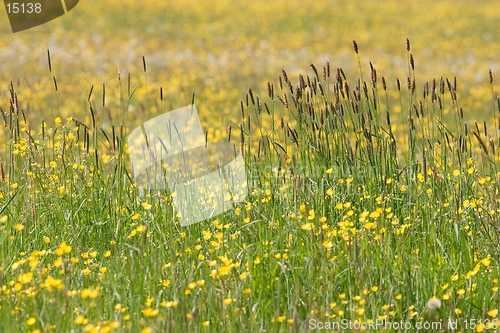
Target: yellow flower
[
  {"x": 150, "y": 312},
  {"x": 146, "y": 206},
  {"x": 80, "y": 320},
  {"x": 63, "y": 248},
  {"x": 307, "y": 226},
  {"x": 493, "y": 313},
  {"x": 31, "y": 321},
  {"x": 224, "y": 270},
  {"x": 90, "y": 292},
  {"x": 485, "y": 262},
  {"x": 328, "y": 244},
  {"x": 18, "y": 226},
  {"x": 456, "y": 172},
  {"x": 58, "y": 262},
  {"x": 50, "y": 283}
]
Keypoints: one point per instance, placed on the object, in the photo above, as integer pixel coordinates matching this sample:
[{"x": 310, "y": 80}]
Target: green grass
[{"x": 346, "y": 218}]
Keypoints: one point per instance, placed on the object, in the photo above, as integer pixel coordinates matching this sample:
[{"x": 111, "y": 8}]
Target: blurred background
[{"x": 218, "y": 49}]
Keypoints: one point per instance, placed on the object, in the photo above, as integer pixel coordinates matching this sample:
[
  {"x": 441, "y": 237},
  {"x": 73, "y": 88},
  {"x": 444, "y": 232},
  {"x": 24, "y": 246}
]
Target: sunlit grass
[
  {"x": 372, "y": 186},
  {"x": 352, "y": 214}
]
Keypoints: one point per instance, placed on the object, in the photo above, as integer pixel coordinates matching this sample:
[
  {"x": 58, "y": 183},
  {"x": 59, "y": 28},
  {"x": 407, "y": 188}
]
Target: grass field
[{"x": 372, "y": 168}]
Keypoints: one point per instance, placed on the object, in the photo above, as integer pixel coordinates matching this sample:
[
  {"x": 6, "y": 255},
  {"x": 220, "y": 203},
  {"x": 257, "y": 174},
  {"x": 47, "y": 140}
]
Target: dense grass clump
[{"x": 369, "y": 201}]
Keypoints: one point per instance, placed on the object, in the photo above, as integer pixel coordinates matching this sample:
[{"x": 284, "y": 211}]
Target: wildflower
[
  {"x": 150, "y": 312},
  {"x": 307, "y": 226},
  {"x": 63, "y": 248},
  {"x": 493, "y": 313},
  {"x": 50, "y": 283},
  {"x": 146, "y": 205},
  {"x": 90, "y": 292},
  {"x": 328, "y": 244},
  {"x": 486, "y": 262},
  {"x": 303, "y": 208},
  {"x": 434, "y": 303}
]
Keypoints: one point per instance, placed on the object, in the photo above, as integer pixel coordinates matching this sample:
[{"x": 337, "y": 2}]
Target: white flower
[{"x": 434, "y": 303}]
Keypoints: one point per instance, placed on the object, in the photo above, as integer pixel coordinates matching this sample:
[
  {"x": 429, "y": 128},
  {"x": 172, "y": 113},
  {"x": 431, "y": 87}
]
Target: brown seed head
[{"x": 285, "y": 76}]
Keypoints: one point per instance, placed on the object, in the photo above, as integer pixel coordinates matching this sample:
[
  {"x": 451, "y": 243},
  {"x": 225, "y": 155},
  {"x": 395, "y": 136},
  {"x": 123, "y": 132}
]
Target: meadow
[{"x": 370, "y": 134}]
